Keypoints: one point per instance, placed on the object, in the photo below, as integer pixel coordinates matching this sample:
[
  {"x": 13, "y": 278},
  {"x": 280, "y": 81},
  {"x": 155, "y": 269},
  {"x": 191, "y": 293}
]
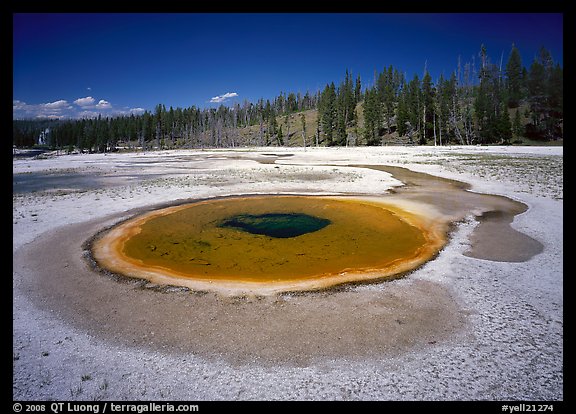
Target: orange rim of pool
[{"x": 270, "y": 244}]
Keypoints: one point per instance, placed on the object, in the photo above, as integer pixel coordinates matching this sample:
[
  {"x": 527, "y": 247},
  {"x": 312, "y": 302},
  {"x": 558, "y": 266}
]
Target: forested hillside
[{"x": 480, "y": 102}]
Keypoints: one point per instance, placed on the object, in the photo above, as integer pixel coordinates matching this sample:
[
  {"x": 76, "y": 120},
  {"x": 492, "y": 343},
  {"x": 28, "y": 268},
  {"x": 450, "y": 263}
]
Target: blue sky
[{"x": 74, "y": 65}]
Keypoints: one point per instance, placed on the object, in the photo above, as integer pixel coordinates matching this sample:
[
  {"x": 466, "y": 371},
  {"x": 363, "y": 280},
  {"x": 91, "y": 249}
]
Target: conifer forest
[{"x": 482, "y": 101}]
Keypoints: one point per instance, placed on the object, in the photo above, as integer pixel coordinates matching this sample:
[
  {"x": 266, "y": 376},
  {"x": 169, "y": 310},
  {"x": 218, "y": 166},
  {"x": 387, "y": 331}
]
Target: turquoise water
[{"x": 278, "y": 225}]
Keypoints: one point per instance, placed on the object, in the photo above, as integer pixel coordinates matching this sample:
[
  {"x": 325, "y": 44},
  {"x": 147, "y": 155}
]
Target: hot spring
[{"x": 264, "y": 244}]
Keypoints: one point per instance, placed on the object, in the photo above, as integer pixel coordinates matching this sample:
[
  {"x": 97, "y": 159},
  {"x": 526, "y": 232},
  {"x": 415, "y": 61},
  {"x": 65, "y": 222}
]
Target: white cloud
[
  {"x": 84, "y": 101},
  {"x": 88, "y": 103},
  {"x": 87, "y": 114},
  {"x": 102, "y": 104},
  {"x": 19, "y": 105},
  {"x": 56, "y": 105},
  {"x": 50, "y": 116},
  {"x": 222, "y": 98},
  {"x": 56, "y": 109},
  {"x": 84, "y": 108}
]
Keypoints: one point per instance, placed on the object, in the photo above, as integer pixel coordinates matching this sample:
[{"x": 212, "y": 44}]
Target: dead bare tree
[
  {"x": 303, "y": 120},
  {"x": 261, "y": 132},
  {"x": 287, "y": 129}
]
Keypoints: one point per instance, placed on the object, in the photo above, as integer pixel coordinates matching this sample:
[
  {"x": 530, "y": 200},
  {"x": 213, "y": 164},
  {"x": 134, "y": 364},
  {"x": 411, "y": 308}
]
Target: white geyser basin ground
[{"x": 470, "y": 324}]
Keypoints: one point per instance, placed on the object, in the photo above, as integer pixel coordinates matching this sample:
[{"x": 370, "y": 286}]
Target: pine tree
[
  {"x": 340, "y": 127},
  {"x": 317, "y": 131},
  {"x": 545, "y": 97},
  {"x": 402, "y": 118},
  {"x": 504, "y": 126},
  {"x": 514, "y": 78},
  {"x": 371, "y": 116},
  {"x": 440, "y": 106},
  {"x": 555, "y": 91},
  {"x": 287, "y": 122},
  {"x": 517, "y": 125},
  {"x": 537, "y": 92},
  {"x": 291, "y": 103},
  {"x": 413, "y": 106},
  {"x": 272, "y": 126},
  {"x": 387, "y": 85},
  {"x": 427, "y": 107},
  {"x": 348, "y": 100},
  {"x": 327, "y": 112},
  {"x": 358, "y": 90},
  {"x": 280, "y": 137},
  {"x": 488, "y": 105},
  {"x": 158, "y": 117}
]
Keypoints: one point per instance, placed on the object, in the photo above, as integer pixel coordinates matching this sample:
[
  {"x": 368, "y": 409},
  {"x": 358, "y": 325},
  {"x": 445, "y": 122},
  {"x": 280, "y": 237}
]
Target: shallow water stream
[{"x": 493, "y": 238}]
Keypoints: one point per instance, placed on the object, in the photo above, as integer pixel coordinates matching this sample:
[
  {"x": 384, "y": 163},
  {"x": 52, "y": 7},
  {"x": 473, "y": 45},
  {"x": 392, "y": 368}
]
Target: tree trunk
[
  {"x": 261, "y": 136},
  {"x": 287, "y": 129},
  {"x": 424, "y": 124},
  {"x": 440, "y": 130},
  {"x": 304, "y": 135},
  {"x": 434, "y": 129},
  {"x": 157, "y": 136}
]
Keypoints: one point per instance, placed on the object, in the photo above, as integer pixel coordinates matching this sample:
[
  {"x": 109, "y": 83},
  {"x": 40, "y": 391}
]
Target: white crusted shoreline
[{"x": 510, "y": 346}]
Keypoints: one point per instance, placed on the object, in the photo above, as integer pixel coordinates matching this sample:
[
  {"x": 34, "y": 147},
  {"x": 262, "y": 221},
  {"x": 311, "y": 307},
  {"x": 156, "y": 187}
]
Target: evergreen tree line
[
  {"x": 471, "y": 106},
  {"x": 168, "y": 128},
  {"x": 491, "y": 104}
]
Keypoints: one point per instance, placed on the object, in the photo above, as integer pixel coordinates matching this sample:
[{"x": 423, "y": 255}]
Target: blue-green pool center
[{"x": 277, "y": 225}]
